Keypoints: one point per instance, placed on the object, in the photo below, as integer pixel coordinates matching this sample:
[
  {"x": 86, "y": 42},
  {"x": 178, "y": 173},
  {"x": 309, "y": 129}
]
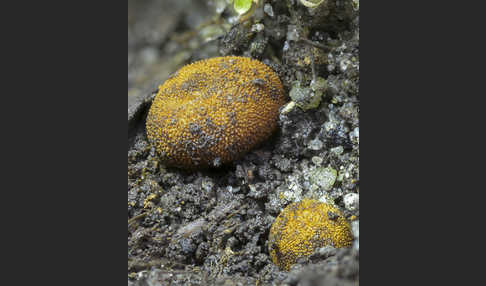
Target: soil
[{"x": 210, "y": 227}]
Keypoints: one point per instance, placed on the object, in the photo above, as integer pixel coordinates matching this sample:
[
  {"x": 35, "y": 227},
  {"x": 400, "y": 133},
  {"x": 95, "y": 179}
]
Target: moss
[
  {"x": 213, "y": 111},
  {"x": 304, "y": 226}
]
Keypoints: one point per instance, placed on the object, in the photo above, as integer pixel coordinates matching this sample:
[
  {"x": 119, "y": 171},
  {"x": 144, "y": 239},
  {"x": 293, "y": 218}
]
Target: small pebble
[
  {"x": 351, "y": 201},
  {"x": 316, "y": 144},
  {"x": 268, "y": 9}
]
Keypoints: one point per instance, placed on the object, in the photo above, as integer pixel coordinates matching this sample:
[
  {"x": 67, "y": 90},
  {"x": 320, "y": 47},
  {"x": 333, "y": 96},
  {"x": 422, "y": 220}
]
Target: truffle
[
  {"x": 304, "y": 226},
  {"x": 213, "y": 111}
]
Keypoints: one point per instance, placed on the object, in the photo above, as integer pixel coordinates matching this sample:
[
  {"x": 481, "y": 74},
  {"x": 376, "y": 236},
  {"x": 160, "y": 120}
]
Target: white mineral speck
[
  {"x": 351, "y": 201},
  {"x": 316, "y": 144},
  {"x": 268, "y": 9},
  {"x": 257, "y": 28},
  {"x": 286, "y": 46}
]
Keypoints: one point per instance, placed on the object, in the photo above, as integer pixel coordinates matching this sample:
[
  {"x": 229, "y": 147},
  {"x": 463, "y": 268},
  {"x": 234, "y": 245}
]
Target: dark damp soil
[{"x": 210, "y": 227}]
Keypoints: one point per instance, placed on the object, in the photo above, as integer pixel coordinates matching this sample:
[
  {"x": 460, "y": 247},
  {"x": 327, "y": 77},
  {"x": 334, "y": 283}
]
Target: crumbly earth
[{"x": 211, "y": 227}]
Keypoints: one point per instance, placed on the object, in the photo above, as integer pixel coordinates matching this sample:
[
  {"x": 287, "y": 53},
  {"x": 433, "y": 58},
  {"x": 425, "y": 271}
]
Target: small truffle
[{"x": 303, "y": 227}]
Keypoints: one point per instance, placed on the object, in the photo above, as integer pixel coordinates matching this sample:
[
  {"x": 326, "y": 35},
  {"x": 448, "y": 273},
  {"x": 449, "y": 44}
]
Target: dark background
[{"x": 63, "y": 186}]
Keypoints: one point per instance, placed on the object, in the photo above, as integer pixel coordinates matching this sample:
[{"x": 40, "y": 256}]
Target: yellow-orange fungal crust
[
  {"x": 213, "y": 111},
  {"x": 304, "y": 226}
]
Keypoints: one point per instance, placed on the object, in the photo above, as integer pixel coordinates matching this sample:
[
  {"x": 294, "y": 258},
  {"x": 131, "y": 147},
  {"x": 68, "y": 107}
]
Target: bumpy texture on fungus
[
  {"x": 304, "y": 226},
  {"x": 213, "y": 111}
]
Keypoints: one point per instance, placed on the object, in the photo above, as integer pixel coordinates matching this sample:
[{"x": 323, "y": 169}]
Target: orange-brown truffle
[
  {"x": 304, "y": 226},
  {"x": 213, "y": 111}
]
